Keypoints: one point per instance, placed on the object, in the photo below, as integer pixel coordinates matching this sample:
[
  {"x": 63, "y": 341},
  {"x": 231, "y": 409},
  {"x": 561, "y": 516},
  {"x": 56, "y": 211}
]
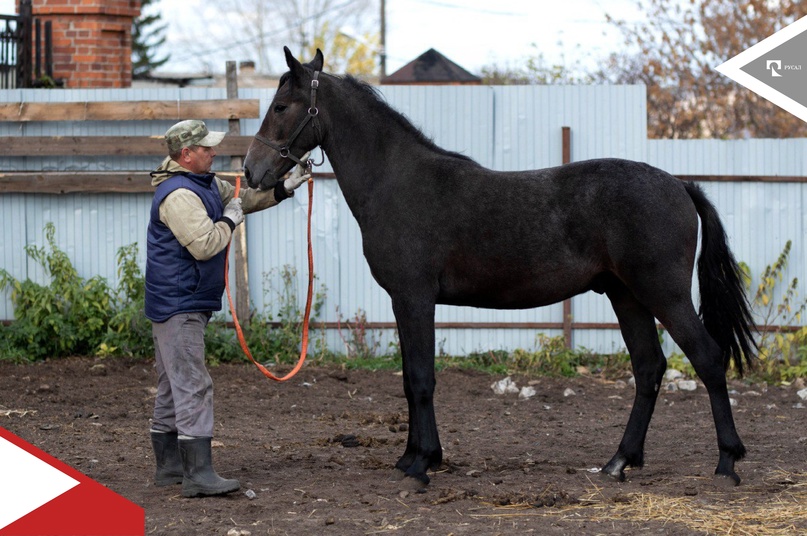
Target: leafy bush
[
  {"x": 68, "y": 316},
  {"x": 273, "y": 339},
  {"x": 782, "y": 342},
  {"x": 71, "y": 315},
  {"x": 128, "y": 331}
]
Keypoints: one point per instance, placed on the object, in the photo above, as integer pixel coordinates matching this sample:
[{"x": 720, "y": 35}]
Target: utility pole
[{"x": 383, "y": 52}]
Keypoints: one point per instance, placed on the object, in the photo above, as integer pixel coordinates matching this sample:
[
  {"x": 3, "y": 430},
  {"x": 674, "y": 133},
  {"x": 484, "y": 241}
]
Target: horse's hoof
[
  {"x": 413, "y": 484},
  {"x": 397, "y": 475},
  {"x": 612, "y": 478},
  {"x": 618, "y": 476},
  {"x": 726, "y": 481}
]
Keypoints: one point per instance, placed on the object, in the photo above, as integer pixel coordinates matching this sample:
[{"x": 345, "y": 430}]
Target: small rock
[
  {"x": 330, "y": 521},
  {"x": 632, "y": 381},
  {"x": 526, "y": 392},
  {"x": 672, "y": 375},
  {"x": 619, "y": 384},
  {"x": 687, "y": 385},
  {"x": 238, "y": 532},
  {"x": 752, "y": 393},
  {"x": 216, "y": 444},
  {"x": 690, "y": 491},
  {"x": 671, "y": 387},
  {"x": 798, "y": 405},
  {"x": 569, "y": 392},
  {"x": 474, "y": 473},
  {"x": 393, "y": 429},
  {"x": 250, "y": 494},
  {"x": 733, "y": 401},
  {"x": 403, "y": 494},
  {"x": 504, "y": 386},
  {"x": 802, "y": 394},
  {"x": 349, "y": 441},
  {"x": 98, "y": 369}
]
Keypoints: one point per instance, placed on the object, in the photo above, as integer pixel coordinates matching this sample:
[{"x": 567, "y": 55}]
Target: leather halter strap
[{"x": 313, "y": 111}]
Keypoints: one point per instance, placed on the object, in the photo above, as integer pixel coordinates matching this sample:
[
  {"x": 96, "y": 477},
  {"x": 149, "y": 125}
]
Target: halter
[{"x": 285, "y": 150}]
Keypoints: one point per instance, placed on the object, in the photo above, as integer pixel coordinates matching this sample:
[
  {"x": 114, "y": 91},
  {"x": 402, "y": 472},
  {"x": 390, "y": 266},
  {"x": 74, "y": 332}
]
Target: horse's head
[{"x": 289, "y": 128}]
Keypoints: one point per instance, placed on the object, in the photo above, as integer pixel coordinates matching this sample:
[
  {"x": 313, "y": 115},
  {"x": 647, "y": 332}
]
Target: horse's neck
[{"x": 362, "y": 149}]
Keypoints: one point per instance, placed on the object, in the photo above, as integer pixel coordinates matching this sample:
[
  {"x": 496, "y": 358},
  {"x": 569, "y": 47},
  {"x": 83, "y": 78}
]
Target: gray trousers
[{"x": 184, "y": 402}]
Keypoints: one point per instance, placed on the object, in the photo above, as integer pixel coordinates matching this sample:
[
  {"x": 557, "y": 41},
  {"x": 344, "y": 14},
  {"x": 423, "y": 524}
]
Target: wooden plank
[
  {"x": 106, "y": 145},
  {"x": 91, "y": 182},
  {"x": 134, "y": 110},
  {"x": 566, "y": 156},
  {"x": 239, "y": 238},
  {"x": 55, "y": 182}
]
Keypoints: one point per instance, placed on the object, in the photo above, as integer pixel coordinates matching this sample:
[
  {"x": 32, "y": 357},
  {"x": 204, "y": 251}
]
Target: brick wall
[{"x": 92, "y": 40}]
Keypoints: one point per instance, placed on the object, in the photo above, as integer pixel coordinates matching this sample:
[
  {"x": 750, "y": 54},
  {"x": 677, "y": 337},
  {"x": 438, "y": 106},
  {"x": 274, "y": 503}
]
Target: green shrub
[
  {"x": 69, "y": 316},
  {"x": 129, "y": 331},
  {"x": 782, "y": 341},
  {"x": 273, "y": 339}
]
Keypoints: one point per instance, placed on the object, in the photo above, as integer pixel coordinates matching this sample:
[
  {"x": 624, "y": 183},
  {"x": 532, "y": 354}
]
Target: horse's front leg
[{"x": 415, "y": 318}]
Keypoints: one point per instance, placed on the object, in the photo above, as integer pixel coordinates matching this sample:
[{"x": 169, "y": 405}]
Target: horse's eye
[{"x": 279, "y": 108}]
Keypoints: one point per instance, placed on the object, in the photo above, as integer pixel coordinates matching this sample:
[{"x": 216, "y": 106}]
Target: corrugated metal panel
[{"x": 501, "y": 127}]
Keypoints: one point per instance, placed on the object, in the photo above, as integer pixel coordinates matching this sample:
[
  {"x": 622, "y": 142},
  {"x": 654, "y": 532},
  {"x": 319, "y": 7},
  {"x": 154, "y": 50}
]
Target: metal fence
[{"x": 501, "y": 127}]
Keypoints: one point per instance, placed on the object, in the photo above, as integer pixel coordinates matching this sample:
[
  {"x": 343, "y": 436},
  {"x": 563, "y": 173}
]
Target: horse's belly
[{"x": 511, "y": 295}]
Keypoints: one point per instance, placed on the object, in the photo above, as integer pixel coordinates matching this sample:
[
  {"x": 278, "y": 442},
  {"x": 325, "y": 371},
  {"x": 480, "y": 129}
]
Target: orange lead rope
[{"x": 307, "y": 315}]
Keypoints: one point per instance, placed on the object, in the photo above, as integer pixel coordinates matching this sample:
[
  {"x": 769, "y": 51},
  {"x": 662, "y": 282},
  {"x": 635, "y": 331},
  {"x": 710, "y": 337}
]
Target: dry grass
[{"x": 709, "y": 513}]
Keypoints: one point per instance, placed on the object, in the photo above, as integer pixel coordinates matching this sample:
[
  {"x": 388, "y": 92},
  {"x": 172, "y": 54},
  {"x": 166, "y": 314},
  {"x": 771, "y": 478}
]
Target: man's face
[{"x": 198, "y": 159}]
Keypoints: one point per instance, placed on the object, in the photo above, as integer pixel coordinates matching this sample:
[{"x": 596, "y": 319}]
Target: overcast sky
[{"x": 472, "y": 33}]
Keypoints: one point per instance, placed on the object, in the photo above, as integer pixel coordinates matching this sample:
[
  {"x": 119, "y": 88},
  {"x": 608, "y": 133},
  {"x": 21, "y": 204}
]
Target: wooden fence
[{"x": 135, "y": 181}]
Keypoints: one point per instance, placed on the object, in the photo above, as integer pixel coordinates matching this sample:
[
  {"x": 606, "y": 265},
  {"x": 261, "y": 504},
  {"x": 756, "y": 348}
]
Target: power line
[
  {"x": 261, "y": 35},
  {"x": 474, "y": 9}
]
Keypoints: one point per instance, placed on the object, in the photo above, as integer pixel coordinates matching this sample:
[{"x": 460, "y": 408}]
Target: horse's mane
[{"x": 376, "y": 101}]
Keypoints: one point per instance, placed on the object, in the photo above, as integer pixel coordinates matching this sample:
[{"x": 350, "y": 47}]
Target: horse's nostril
[{"x": 247, "y": 173}]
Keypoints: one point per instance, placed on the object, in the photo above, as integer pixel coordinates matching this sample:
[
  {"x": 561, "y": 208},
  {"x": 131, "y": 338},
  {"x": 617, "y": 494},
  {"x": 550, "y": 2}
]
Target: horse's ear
[
  {"x": 318, "y": 61},
  {"x": 295, "y": 66}
]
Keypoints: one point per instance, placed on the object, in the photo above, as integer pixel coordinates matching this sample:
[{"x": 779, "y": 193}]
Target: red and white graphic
[{"x": 39, "y": 495}]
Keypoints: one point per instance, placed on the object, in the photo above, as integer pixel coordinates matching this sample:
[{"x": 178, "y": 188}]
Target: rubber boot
[
  {"x": 166, "y": 452},
  {"x": 199, "y": 477}
]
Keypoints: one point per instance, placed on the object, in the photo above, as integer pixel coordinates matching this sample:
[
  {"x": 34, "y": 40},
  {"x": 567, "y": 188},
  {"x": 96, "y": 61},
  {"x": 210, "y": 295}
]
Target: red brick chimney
[{"x": 92, "y": 40}]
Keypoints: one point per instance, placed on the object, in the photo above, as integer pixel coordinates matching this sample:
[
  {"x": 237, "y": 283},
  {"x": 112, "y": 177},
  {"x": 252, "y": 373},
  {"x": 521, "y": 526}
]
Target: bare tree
[
  {"x": 674, "y": 54},
  {"x": 265, "y": 26}
]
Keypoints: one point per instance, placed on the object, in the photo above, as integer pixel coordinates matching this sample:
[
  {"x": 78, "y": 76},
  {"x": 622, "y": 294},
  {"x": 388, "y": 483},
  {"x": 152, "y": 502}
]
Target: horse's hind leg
[
  {"x": 647, "y": 359},
  {"x": 688, "y": 332}
]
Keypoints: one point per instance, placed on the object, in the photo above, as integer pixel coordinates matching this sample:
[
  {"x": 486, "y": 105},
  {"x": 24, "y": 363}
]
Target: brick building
[{"x": 91, "y": 40}]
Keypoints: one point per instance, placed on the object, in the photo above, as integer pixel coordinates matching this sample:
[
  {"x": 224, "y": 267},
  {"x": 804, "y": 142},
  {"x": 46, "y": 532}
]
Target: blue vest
[{"x": 175, "y": 281}]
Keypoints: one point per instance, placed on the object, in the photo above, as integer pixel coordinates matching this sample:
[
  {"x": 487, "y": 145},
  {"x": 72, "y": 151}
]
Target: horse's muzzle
[{"x": 261, "y": 183}]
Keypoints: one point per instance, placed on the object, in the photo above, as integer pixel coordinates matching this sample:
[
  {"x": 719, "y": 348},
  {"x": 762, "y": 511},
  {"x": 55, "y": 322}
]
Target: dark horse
[{"x": 439, "y": 228}]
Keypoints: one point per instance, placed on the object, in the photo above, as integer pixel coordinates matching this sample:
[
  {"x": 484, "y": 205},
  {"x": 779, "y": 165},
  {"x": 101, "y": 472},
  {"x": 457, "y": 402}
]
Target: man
[{"x": 193, "y": 216}]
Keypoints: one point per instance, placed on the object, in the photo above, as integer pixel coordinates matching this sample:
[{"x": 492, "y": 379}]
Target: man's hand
[
  {"x": 234, "y": 212},
  {"x": 297, "y": 177}
]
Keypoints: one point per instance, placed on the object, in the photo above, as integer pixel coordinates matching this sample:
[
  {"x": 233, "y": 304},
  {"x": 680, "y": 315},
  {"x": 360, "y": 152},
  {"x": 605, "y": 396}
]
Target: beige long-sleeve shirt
[{"x": 183, "y": 212}]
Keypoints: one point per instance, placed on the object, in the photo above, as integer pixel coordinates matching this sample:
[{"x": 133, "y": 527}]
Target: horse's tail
[{"x": 724, "y": 308}]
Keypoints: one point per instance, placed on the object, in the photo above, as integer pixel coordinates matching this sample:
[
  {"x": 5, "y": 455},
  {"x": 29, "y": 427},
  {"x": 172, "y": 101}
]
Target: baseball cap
[{"x": 191, "y": 132}]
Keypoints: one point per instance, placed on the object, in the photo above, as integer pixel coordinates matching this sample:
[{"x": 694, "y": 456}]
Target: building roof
[{"x": 431, "y": 67}]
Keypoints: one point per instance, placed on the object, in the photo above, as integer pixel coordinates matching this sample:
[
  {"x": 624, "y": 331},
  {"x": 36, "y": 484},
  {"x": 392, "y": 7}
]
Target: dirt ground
[{"x": 512, "y": 466}]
